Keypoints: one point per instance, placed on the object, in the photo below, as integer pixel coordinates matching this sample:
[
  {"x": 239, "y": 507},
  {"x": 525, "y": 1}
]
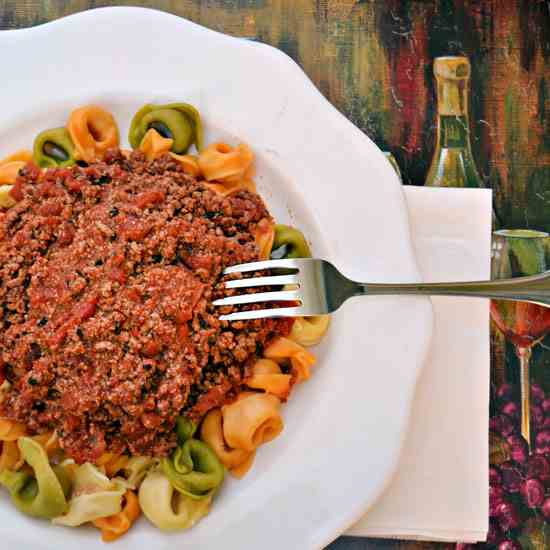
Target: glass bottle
[{"x": 452, "y": 164}]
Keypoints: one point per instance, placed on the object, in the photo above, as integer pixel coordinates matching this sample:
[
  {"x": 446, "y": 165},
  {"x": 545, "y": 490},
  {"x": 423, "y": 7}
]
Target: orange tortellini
[
  {"x": 153, "y": 145},
  {"x": 267, "y": 376},
  {"x": 264, "y": 235},
  {"x": 113, "y": 527},
  {"x": 236, "y": 430},
  {"x": 237, "y": 461},
  {"x": 93, "y": 131},
  {"x": 301, "y": 359}
]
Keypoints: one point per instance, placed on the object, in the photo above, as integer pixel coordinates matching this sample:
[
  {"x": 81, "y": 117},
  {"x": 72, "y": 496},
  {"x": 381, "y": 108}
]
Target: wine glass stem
[{"x": 524, "y": 355}]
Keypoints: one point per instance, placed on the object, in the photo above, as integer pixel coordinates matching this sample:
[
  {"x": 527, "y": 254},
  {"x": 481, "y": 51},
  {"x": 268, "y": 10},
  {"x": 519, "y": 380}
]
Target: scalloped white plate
[{"x": 344, "y": 428}]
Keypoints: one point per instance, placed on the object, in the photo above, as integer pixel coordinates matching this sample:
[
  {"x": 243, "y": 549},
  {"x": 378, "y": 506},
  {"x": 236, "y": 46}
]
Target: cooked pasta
[
  {"x": 267, "y": 376},
  {"x": 264, "y": 238},
  {"x": 42, "y": 494},
  {"x": 180, "y": 122},
  {"x": 93, "y": 496},
  {"x": 117, "y": 463},
  {"x": 188, "y": 163},
  {"x": 8, "y": 174},
  {"x": 113, "y": 527},
  {"x": 11, "y": 431},
  {"x": 300, "y": 359},
  {"x": 10, "y": 170},
  {"x": 154, "y": 145},
  {"x": 167, "y": 508},
  {"x": 252, "y": 420},
  {"x": 9, "y": 455},
  {"x": 136, "y": 469},
  {"x": 308, "y": 331},
  {"x": 112, "y": 463},
  {"x": 222, "y": 163},
  {"x": 23, "y": 155},
  {"x": 237, "y": 461},
  {"x": 93, "y": 131},
  {"x": 53, "y": 147},
  {"x": 193, "y": 469}
]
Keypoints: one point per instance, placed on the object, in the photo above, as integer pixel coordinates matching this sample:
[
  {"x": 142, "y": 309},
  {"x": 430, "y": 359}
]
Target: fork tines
[{"x": 272, "y": 296}]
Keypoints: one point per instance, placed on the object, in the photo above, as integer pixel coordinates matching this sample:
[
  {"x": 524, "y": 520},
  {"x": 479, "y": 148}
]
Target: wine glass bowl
[{"x": 517, "y": 253}]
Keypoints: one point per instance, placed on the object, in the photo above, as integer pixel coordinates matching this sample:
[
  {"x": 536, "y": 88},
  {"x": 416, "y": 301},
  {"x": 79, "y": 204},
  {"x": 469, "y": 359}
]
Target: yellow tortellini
[
  {"x": 308, "y": 331},
  {"x": 42, "y": 495},
  {"x": 94, "y": 496},
  {"x": 167, "y": 508}
]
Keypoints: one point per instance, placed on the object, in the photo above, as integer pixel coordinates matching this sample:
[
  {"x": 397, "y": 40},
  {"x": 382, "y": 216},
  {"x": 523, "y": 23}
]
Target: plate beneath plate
[{"x": 345, "y": 427}]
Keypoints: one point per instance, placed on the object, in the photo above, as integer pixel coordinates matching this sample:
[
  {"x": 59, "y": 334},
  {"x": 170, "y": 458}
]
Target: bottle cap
[{"x": 452, "y": 68}]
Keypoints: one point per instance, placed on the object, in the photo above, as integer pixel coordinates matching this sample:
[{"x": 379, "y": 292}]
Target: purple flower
[
  {"x": 532, "y": 491},
  {"x": 518, "y": 448},
  {"x": 538, "y": 466},
  {"x": 512, "y": 410},
  {"x": 509, "y": 544},
  {"x": 542, "y": 442}
]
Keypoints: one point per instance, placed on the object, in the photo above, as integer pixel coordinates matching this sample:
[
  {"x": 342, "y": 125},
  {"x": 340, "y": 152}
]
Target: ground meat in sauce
[{"x": 106, "y": 281}]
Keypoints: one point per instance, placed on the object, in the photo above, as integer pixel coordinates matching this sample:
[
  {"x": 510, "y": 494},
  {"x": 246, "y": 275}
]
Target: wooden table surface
[{"x": 373, "y": 60}]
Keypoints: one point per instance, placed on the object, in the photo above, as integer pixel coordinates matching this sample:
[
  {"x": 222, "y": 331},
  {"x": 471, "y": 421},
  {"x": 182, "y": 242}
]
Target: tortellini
[
  {"x": 237, "y": 461},
  {"x": 264, "y": 236},
  {"x": 185, "y": 429},
  {"x": 308, "y": 331},
  {"x": 54, "y": 148},
  {"x": 252, "y": 420},
  {"x": 301, "y": 359},
  {"x": 153, "y": 145},
  {"x": 289, "y": 243},
  {"x": 194, "y": 469},
  {"x": 267, "y": 376},
  {"x": 113, "y": 527},
  {"x": 94, "y": 496},
  {"x": 179, "y": 122},
  {"x": 167, "y": 508},
  {"x": 223, "y": 163},
  {"x": 42, "y": 495},
  {"x": 93, "y": 131},
  {"x": 136, "y": 469}
]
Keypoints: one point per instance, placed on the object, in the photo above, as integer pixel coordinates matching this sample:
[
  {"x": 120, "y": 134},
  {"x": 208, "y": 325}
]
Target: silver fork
[{"x": 320, "y": 288}]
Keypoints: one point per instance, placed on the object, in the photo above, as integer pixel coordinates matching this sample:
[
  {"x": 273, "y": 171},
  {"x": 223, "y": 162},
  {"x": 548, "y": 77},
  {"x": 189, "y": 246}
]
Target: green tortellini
[
  {"x": 289, "y": 243},
  {"x": 167, "y": 508},
  {"x": 53, "y": 148},
  {"x": 41, "y": 496},
  {"x": 185, "y": 429},
  {"x": 194, "y": 470},
  {"x": 94, "y": 496},
  {"x": 178, "y": 121}
]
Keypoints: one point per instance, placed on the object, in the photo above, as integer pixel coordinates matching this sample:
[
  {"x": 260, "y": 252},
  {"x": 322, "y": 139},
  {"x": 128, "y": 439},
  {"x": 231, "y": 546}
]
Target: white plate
[{"x": 344, "y": 428}]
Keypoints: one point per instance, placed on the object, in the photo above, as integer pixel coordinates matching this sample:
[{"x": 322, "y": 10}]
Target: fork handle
[{"x": 534, "y": 288}]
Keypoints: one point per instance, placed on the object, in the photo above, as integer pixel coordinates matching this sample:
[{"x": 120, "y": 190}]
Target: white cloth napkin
[{"x": 440, "y": 489}]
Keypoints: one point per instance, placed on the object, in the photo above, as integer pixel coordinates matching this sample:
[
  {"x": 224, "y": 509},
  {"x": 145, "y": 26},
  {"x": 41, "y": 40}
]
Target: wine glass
[{"x": 519, "y": 252}]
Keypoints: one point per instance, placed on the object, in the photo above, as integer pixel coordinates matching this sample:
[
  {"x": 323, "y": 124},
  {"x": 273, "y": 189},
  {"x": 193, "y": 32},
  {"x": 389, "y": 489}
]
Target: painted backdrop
[{"x": 373, "y": 60}]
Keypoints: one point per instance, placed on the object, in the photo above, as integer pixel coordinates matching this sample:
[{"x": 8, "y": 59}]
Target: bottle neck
[
  {"x": 453, "y": 132},
  {"x": 452, "y": 111},
  {"x": 452, "y": 96}
]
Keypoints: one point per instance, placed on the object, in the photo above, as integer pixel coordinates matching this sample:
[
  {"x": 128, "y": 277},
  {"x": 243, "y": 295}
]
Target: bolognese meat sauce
[{"x": 107, "y": 274}]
